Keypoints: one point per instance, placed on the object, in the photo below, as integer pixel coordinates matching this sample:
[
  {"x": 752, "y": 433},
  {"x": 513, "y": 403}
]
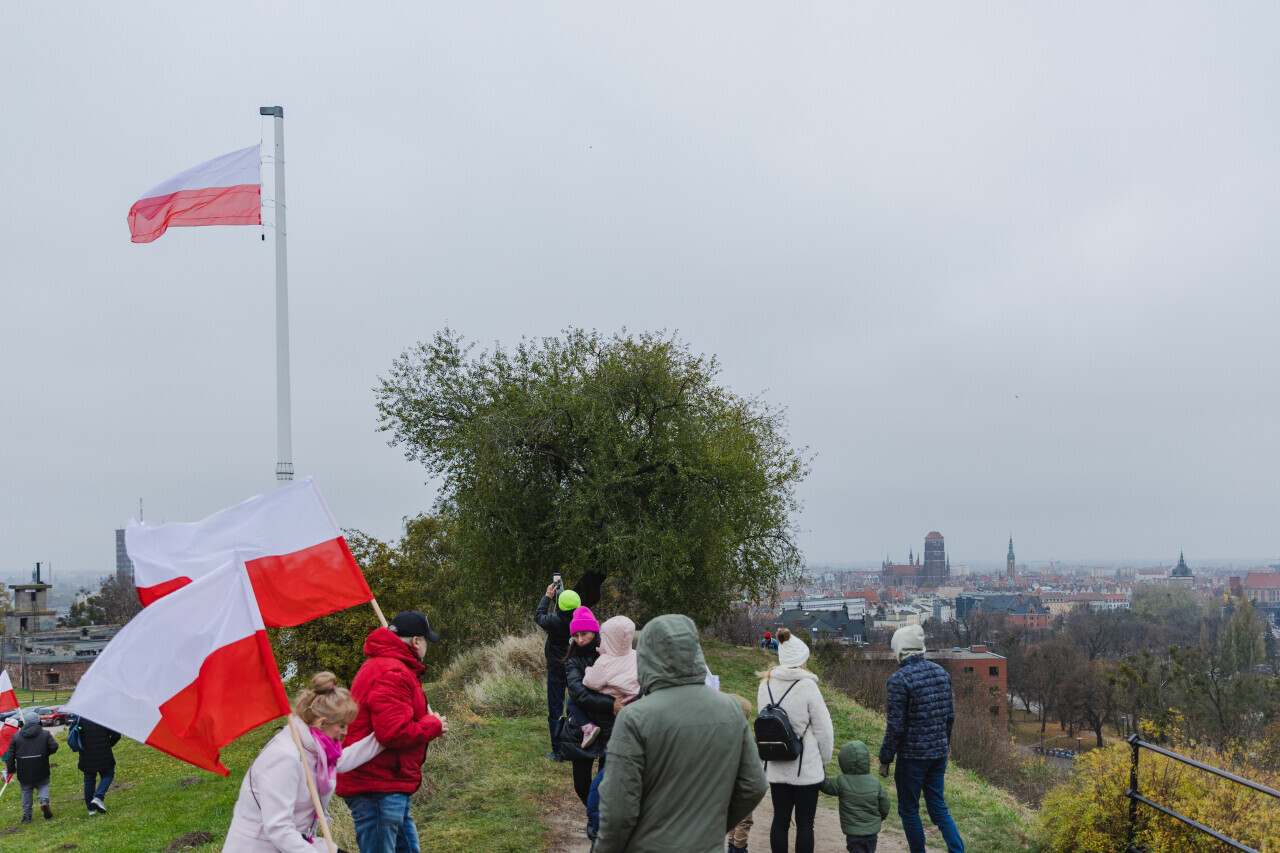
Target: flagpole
[
  {"x": 311, "y": 786},
  {"x": 284, "y": 423}
]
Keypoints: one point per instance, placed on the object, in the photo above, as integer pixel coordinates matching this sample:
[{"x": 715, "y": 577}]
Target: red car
[{"x": 52, "y": 716}]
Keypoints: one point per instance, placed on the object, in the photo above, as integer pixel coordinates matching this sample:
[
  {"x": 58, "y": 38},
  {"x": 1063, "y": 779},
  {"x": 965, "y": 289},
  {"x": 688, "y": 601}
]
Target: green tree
[
  {"x": 85, "y": 612},
  {"x": 621, "y": 454},
  {"x": 414, "y": 574}
]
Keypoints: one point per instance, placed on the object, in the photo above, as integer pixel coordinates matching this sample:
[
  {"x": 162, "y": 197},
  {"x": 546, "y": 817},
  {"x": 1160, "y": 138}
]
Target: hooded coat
[
  {"x": 274, "y": 809},
  {"x": 683, "y": 768},
  {"x": 597, "y": 706},
  {"x": 614, "y": 672},
  {"x": 394, "y": 709},
  {"x": 864, "y": 803},
  {"x": 29, "y": 752},
  {"x": 810, "y": 719}
]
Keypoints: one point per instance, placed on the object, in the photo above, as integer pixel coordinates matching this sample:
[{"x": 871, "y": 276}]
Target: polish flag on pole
[
  {"x": 226, "y": 190},
  {"x": 190, "y": 673},
  {"x": 298, "y": 561},
  {"x": 8, "y": 699}
]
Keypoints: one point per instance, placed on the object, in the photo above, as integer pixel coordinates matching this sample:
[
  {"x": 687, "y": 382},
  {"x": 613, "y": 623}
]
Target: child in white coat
[{"x": 274, "y": 813}]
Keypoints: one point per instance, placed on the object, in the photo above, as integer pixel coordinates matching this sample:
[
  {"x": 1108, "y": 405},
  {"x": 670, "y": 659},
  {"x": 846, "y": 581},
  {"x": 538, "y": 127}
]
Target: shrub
[
  {"x": 1090, "y": 812},
  {"x": 502, "y": 678}
]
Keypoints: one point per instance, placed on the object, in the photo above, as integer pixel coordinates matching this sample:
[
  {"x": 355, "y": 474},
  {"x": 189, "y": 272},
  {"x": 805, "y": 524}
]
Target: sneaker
[
  {"x": 554, "y": 756},
  {"x": 99, "y": 805},
  {"x": 48, "y": 812},
  {"x": 92, "y": 811},
  {"x": 589, "y": 734},
  {"x": 27, "y": 819}
]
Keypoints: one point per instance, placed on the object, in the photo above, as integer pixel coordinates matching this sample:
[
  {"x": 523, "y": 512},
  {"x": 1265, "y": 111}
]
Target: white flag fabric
[{"x": 190, "y": 673}]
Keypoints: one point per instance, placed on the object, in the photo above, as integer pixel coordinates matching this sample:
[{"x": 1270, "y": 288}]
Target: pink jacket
[{"x": 614, "y": 672}]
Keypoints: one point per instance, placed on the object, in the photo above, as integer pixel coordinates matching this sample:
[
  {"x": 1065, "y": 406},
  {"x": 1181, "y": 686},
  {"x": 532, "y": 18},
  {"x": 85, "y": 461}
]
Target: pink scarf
[{"x": 326, "y": 766}]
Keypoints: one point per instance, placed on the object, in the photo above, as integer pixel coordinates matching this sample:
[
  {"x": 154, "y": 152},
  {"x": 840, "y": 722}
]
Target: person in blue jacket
[{"x": 920, "y": 712}]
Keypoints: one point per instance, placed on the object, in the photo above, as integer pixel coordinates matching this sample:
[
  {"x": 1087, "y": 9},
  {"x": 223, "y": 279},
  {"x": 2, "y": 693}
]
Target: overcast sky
[{"x": 1009, "y": 269}]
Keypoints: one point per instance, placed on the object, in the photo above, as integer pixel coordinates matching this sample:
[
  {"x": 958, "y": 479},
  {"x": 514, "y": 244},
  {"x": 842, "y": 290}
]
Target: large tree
[{"x": 622, "y": 454}]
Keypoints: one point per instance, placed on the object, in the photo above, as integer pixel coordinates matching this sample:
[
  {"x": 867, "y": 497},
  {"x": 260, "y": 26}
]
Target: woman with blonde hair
[
  {"x": 793, "y": 785},
  {"x": 274, "y": 813}
]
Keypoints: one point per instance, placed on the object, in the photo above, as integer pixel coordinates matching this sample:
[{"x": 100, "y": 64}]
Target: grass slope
[
  {"x": 988, "y": 818},
  {"x": 487, "y": 785}
]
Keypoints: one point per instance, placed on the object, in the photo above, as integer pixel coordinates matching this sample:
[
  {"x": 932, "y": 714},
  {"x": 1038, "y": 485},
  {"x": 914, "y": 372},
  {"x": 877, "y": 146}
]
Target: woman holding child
[
  {"x": 793, "y": 785},
  {"x": 274, "y": 813},
  {"x": 601, "y": 671}
]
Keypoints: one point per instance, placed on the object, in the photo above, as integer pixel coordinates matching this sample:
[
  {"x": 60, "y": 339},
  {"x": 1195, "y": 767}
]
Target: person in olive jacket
[
  {"x": 683, "y": 766},
  {"x": 97, "y": 762},
  {"x": 864, "y": 803}
]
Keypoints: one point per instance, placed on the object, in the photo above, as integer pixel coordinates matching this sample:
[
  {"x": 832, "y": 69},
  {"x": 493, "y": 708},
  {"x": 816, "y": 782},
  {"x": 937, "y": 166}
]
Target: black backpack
[{"x": 776, "y": 740}]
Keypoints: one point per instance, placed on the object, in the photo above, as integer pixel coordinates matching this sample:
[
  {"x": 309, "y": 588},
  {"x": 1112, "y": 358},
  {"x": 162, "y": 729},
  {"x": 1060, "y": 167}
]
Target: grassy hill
[{"x": 488, "y": 786}]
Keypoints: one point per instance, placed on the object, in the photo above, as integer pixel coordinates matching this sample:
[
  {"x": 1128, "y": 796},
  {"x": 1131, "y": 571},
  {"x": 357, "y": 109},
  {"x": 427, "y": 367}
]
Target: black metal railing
[{"x": 1135, "y": 797}]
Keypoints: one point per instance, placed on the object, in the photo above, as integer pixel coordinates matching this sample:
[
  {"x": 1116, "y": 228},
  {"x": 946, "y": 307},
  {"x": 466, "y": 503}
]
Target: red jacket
[{"x": 394, "y": 708}]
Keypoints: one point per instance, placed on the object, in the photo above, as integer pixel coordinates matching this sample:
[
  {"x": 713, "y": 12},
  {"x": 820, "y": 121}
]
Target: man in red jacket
[{"x": 394, "y": 708}]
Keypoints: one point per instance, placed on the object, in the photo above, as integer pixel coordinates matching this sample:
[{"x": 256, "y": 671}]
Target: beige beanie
[{"x": 907, "y": 641}]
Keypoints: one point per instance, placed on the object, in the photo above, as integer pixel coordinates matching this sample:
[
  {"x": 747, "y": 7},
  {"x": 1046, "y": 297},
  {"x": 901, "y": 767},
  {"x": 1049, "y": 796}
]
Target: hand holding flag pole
[{"x": 311, "y": 786}]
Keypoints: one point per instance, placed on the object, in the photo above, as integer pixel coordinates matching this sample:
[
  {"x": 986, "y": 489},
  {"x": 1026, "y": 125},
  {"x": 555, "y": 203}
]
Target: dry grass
[{"x": 504, "y": 678}]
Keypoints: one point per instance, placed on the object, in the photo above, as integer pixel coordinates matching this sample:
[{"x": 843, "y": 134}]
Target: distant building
[
  {"x": 935, "y": 570},
  {"x": 1181, "y": 573},
  {"x": 1009, "y": 569},
  {"x": 30, "y": 611},
  {"x": 988, "y": 669},
  {"x": 1263, "y": 589},
  {"x": 124, "y": 566},
  {"x": 837, "y": 625}
]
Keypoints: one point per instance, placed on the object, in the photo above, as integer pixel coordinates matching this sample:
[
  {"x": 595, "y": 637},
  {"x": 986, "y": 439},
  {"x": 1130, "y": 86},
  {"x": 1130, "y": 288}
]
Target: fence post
[{"x": 1133, "y": 790}]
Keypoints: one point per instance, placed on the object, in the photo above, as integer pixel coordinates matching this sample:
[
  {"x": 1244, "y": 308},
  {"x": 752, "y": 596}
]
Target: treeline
[{"x": 1173, "y": 664}]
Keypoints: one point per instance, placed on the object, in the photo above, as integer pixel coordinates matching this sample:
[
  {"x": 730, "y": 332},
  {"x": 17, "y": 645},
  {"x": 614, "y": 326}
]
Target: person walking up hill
[
  {"x": 97, "y": 762},
  {"x": 28, "y": 756},
  {"x": 919, "y": 712},
  {"x": 683, "y": 768},
  {"x": 794, "y": 784}
]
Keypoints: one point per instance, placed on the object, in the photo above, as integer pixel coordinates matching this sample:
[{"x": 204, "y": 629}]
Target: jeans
[
  {"x": 42, "y": 788},
  {"x": 556, "y": 687},
  {"x": 383, "y": 824},
  {"x": 912, "y": 776},
  {"x": 802, "y": 798},
  {"x": 100, "y": 790},
  {"x": 593, "y": 799},
  {"x": 861, "y": 843}
]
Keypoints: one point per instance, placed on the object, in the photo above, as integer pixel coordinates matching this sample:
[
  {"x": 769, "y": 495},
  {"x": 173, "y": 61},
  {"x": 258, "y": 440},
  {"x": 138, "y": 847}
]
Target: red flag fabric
[
  {"x": 190, "y": 673},
  {"x": 298, "y": 561},
  {"x": 226, "y": 190}
]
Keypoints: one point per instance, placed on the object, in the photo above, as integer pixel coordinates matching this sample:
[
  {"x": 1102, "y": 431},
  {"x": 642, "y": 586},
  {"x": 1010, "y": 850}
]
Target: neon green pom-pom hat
[{"x": 569, "y": 600}]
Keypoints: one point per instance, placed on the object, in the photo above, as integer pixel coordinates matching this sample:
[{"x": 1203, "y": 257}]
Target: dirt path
[{"x": 569, "y": 823}]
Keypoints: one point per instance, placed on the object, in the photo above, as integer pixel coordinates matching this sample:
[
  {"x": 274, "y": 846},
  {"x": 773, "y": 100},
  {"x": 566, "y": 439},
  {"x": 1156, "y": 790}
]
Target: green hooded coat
[
  {"x": 863, "y": 800},
  {"x": 683, "y": 768}
]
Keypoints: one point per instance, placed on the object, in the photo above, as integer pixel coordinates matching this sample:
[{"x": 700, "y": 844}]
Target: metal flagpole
[{"x": 284, "y": 424}]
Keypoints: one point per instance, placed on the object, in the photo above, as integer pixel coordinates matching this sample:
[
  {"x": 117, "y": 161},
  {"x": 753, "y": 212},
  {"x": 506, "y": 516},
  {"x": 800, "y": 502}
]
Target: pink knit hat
[{"x": 583, "y": 620}]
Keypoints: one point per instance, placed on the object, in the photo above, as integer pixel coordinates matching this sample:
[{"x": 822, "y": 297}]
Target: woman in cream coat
[
  {"x": 274, "y": 813},
  {"x": 793, "y": 785}
]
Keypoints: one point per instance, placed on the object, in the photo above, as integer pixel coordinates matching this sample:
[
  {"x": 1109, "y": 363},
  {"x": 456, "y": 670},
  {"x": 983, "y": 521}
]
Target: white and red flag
[
  {"x": 190, "y": 673},
  {"x": 226, "y": 190},
  {"x": 8, "y": 699},
  {"x": 298, "y": 561}
]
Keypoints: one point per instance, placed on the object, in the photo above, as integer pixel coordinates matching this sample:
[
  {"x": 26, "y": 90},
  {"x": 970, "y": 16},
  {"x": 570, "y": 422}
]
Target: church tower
[{"x": 1009, "y": 569}]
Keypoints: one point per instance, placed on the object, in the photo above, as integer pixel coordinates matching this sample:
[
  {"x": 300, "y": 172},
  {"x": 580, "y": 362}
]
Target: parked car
[
  {"x": 52, "y": 716},
  {"x": 11, "y": 713}
]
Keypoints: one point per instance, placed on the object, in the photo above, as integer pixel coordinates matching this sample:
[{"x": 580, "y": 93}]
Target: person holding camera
[{"x": 554, "y": 613}]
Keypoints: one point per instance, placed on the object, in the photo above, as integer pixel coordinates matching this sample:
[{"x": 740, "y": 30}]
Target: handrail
[{"x": 1137, "y": 744}]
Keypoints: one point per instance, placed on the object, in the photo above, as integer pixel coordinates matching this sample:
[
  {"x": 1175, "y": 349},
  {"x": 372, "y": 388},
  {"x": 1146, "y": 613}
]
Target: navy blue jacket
[
  {"x": 919, "y": 711},
  {"x": 555, "y": 622}
]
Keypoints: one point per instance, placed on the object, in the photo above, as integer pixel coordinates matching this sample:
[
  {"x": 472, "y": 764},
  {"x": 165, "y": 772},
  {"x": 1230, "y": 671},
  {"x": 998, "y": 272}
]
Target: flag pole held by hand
[{"x": 311, "y": 786}]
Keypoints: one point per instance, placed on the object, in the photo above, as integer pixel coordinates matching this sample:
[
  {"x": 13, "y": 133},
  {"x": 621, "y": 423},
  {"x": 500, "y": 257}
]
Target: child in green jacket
[{"x": 863, "y": 801}]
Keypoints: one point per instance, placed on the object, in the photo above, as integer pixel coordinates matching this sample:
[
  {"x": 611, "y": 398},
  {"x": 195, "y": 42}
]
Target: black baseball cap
[{"x": 413, "y": 623}]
